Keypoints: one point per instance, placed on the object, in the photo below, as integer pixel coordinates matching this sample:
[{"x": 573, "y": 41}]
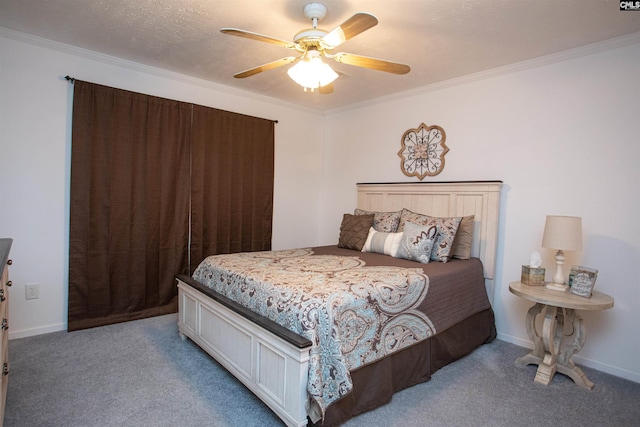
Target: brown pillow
[
  {"x": 461, "y": 248},
  {"x": 354, "y": 231}
]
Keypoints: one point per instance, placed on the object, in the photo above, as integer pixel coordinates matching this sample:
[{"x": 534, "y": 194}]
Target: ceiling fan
[{"x": 314, "y": 43}]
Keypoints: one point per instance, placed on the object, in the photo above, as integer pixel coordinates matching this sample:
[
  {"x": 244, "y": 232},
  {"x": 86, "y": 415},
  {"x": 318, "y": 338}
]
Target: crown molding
[{"x": 555, "y": 58}]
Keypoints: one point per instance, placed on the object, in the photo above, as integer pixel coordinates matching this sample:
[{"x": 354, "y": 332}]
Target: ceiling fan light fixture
[
  {"x": 312, "y": 73},
  {"x": 309, "y": 71}
]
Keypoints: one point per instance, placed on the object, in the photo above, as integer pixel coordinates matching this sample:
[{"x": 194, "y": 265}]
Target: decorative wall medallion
[{"x": 423, "y": 150}]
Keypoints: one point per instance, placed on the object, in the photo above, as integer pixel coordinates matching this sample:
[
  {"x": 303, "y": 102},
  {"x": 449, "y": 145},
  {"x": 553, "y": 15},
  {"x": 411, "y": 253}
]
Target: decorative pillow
[
  {"x": 408, "y": 216},
  {"x": 382, "y": 221},
  {"x": 354, "y": 231},
  {"x": 417, "y": 242},
  {"x": 382, "y": 243},
  {"x": 462, "y": 244},
  {"x": 447, "y": 228}
]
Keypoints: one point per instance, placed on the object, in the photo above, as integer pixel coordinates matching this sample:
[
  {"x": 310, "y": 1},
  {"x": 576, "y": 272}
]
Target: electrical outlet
[{"x": 32, "y": 291}]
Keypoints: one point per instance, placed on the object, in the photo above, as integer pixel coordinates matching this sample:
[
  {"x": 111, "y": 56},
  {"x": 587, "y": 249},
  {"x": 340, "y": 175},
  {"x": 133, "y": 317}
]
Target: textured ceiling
[{"x": 439, "y": 39}]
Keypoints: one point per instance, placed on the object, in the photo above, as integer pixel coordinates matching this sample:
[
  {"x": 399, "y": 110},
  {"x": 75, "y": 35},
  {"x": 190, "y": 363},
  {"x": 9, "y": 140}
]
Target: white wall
[
  {"x": 564, "y": 139},
  {"x": 35, "y": 137}
]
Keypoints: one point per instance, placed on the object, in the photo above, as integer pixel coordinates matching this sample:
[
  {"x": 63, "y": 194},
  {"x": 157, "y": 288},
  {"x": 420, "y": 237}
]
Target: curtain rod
[{"x": 72, "y": 80}]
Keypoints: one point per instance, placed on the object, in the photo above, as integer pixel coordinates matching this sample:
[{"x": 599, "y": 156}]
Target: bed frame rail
[{"x": 272, "y": 362}]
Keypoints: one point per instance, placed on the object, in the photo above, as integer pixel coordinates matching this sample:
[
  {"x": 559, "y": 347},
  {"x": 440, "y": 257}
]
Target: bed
[{"x": 439, "y": 312}]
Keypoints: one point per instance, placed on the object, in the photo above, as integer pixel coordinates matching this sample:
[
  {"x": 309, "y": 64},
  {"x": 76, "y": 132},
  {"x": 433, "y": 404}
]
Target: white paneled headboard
[{"x": 462, "y": 198}]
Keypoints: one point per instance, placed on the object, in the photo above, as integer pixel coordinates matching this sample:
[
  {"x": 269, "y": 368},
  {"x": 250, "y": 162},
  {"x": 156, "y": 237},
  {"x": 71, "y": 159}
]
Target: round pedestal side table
[{"x": 551, "y": 353}]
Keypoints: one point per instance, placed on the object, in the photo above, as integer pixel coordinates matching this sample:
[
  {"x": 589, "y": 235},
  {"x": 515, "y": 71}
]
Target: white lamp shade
[
  {"x": 563, "y": 233},
  {"x": 312, "y": 73}
]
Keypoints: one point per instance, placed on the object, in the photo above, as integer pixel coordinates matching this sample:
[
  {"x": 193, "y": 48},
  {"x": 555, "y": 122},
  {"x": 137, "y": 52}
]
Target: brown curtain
[
  {"x": 129, "y": 207},
  {"x": 150, "y": 178},
  {"x": 232, "y": 183}
]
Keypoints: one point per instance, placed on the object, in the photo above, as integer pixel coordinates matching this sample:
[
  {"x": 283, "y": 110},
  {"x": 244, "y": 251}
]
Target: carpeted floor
[{"x": 142, "y": 374}]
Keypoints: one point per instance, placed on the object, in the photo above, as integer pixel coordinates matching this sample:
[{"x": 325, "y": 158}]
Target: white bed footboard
[{"x": 272, "y": 367}]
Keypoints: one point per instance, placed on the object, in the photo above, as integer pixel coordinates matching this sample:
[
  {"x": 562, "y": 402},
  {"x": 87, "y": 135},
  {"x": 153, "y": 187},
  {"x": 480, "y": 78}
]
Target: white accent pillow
[{"x": 382, "y": 243}]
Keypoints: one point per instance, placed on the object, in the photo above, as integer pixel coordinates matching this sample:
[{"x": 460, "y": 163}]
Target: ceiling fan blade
[
  {"x": 373, "y": 63},
  {"x": 350, "y": 28},
  {"x": 326, "y": 89},
  {"x": 256, "y": 36},
  {"x": 265, "y": 67}
]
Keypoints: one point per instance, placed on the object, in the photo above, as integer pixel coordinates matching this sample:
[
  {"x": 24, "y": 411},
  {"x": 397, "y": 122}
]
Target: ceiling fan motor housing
[{"x": 310, "y": 34}]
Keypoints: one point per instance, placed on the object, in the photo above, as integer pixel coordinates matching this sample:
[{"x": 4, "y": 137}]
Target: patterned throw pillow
[
  {"x": 383, "y": 221},
  {"x": 354, "y": 231},
  {"x": 382, "y": 243},
  {"x": 408, "y": 216},
  {"x": 417, "y": 242},
  {"x": 447, "y": 228}
]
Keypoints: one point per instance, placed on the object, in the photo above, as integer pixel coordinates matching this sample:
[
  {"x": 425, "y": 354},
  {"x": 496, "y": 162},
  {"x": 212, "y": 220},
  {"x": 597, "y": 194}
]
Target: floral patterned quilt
[{"x": 352, "y": 313}]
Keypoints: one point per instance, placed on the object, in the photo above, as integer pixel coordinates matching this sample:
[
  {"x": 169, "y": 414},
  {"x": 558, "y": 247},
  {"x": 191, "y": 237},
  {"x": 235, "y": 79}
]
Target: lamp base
[{"x": 557, "y": 287}]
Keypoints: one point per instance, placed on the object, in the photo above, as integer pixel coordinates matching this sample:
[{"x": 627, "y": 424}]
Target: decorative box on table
[{"x": 533, "y": 276}]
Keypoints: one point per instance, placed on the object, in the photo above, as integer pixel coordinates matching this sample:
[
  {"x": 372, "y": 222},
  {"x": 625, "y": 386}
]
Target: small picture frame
[{"x": 582, "y": 280}]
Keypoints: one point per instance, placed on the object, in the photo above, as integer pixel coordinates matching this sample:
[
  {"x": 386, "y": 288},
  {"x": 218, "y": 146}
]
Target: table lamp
[{"x": 562, "y": 233}]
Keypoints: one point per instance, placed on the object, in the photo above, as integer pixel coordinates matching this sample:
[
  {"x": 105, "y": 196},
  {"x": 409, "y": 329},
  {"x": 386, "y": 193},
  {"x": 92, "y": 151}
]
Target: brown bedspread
[
  {"x": 457, "y": 305},
  {"x": 463, "y": 319},
  {"x": 456, "y": 288}
]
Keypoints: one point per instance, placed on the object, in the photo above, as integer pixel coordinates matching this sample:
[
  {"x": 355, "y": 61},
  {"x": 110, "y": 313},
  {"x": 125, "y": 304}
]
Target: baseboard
[
  {"x": 590, "y": 363},
  {"x": 23, "y": 333}
]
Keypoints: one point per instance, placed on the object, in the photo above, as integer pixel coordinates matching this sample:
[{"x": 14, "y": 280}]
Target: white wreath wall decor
[{"x": 423, "y": 150}]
